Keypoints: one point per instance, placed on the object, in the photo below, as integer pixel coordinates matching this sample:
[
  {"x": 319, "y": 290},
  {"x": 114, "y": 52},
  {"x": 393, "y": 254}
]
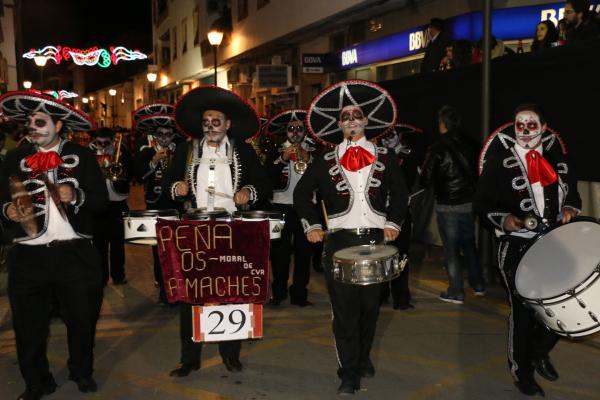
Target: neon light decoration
[{"x": 87, "y": 57}]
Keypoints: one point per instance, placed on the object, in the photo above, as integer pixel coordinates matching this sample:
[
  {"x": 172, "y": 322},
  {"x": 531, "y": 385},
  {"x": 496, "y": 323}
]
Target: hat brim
[
  {"x": 190, "y": 108},
  {"x": 149, "y": 123},
  {"x": 278, "y": 124},
  {"x": 20, "y": 105},
  {"x": 375, "y": 102},
  {"x": 504, "y": 137},
  {"x": 150, "y": 109}
]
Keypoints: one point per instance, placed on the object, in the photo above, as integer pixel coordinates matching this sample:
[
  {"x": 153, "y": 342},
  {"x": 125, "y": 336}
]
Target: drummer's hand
[
  {"x": 512, "y": 223},
  {"x": 12, "y": 213},
  {"x": 390, "y": 234},
  {"x": 315, "y": 235},
  {"x": 568, "y": 214},
  {"x": 182, "y": 188},
  {"x": 287, "y": 153},
  {"x": 66, "y": 193},
  {"x": 159, "y": 156},
  {"x": 242, "y": 197}
]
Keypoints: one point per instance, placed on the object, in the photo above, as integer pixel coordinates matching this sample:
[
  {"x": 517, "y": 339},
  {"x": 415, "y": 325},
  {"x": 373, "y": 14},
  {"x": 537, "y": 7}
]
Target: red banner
[{"x": 214, "y": 262}]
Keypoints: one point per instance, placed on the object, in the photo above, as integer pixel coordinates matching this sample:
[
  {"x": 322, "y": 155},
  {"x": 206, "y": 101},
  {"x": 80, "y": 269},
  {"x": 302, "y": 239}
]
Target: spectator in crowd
[
  {"x": 436, "y": 49},
  {"x": 447, "y": 62},
  {"x": 462, "y": 53},
  {"x": 546, "y": 35},
  {"x": 582, "y": 24},
  {"x": 450, "y": 167},
  {"x": 562, "y": 32}
]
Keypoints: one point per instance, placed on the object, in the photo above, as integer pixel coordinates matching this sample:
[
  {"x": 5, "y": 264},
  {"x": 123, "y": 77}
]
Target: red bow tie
[
  {"x": 356, "y": 158},
  {"x": 103, "y": 158},
  {"x": 43, "y": 162},
  {"x": 539, "y": 170}
]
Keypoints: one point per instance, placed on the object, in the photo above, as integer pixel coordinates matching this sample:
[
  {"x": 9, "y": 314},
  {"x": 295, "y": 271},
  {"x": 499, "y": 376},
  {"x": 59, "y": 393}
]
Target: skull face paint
[
  {"x": 296, "y": 132},
  {"x": 352, "y": 122},
  {"x": 164, "y": 136},
  {"x": 391, "y": 140},
  {"x": 214, "y": 126},
  {"x": 41, "y": 130},
  {"x": 528, "y": 129}
]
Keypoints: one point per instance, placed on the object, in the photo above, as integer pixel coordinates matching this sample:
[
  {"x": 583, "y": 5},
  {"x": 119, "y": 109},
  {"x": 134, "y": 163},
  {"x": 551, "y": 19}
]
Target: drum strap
[{"x": 211, "y": 184}]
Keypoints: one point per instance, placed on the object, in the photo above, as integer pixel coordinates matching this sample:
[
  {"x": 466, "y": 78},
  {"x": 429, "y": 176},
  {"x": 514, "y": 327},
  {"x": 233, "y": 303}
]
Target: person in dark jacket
[
  {"x": 582, "y": 24},
  {"x": 450, "y": 167},
  {"x": 436, "y": 48}
]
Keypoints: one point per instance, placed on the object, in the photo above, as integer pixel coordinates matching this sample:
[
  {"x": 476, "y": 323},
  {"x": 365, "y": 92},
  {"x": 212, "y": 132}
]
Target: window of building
[
  {"x": 261, "y": 3},
  {"x": 184, "y": 35},
  {"x": 165, "y": 48},
  {"x": 174, "y": 42},
  {"x": 161, "y": 8},
  {"x": 242, "y": 9},
  {"x": 196, "y": 26}
]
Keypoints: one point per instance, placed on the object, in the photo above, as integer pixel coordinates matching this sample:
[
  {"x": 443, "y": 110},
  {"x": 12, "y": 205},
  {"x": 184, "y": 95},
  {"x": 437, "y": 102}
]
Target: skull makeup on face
[
  {"x": 214, "y": 126},
  {"x": 528, "y": 129},
  {"x": 352, "y": 121},
  {"x": 164, "y": 136},
  {"x": 41, "y": 130},
  {"x": 296, "y": 132},
  {"x": 391, "y": 140},
  {"x": 103, "y": 143}
]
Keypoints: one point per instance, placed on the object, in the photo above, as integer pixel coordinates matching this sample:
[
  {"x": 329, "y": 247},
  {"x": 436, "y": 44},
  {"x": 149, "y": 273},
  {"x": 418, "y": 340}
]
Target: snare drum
[
  {"x": 140, "y": 225},
  {"x": 276, "y": 220},
  {"x": 202, "y": 214},
  {"x": 367, "y": 264},
  {"x": 559, "y": 278}
]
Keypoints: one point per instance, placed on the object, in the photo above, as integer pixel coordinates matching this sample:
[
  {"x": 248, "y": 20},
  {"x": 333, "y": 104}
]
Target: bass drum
[
  {"x": 559, "y": 278},
  {"x": 140, "y": 225},
  {"x": 367, "y": 264}
]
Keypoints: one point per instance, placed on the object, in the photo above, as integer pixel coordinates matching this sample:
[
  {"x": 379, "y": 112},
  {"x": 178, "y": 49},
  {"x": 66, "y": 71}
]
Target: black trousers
[
  {"x": 528, "y": 339},
  {"x": 70, "y": 271},
  {"x": 190, "y": 350},
  {"x": 158, "y": 276},
  {"x": 293, "y": 240},
  {"x": 399, "y": 286},
  {"x": 109, "y": 239},
  {"x": 355, "y": 308}
]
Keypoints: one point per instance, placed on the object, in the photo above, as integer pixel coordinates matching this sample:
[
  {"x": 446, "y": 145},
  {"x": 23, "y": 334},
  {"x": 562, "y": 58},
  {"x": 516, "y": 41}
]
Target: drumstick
[
  {"x": 212, "y": 191},
  {"x": 325, "y": 214}
]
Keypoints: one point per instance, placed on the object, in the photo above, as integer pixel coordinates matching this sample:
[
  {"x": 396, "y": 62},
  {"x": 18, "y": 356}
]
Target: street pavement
[{"x": 435, "y": 351}]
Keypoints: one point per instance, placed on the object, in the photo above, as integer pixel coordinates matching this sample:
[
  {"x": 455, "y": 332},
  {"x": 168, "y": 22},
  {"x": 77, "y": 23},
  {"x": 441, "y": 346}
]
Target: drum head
[
  {"x": 366, "y": 252},
  {"x": 559, "y": 260},
  {"x": 204, "y": 214},
  {"x": 151, "y": 213},
  {"x": 258, "y": 214}
]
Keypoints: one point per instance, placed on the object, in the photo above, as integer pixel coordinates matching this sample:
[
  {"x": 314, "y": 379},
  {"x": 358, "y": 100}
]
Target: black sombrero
[
  {"x": 278, "y": 124},
  {"x": 150, "y": 109},
  {"x": 149, "y": 123},
  {"x": 19, "y": 105},
  {"x": 504, "y": 137},
  {"x": 376, "y": 103},
  {"x": 245, "y": 122}
]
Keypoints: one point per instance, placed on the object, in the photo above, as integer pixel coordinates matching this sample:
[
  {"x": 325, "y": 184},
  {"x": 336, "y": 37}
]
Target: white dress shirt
[
  {"x": 58, "y": 227},
  {"x": 360, "y": 214},
  {"x": 220, "y": 177}
]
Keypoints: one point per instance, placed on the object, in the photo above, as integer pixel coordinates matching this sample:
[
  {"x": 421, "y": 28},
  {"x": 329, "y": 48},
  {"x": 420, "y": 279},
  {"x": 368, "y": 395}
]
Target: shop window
[{"x": 242, "y": 9}]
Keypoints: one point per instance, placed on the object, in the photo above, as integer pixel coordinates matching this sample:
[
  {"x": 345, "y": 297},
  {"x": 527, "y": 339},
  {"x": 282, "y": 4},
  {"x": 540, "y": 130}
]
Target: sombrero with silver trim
[
  {"x": 245, "y": 122},
  {"x": 150, "y": 109},
  {"x": 20, "y": 105},
  {"x": 375, "y": 102},
  {"x": 278, "y": 124},
  {"x": 148, "y": 124},
  {"x": 504, "y": 138}
]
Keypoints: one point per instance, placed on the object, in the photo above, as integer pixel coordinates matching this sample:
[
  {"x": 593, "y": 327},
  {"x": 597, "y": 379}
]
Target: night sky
[{"x": 83, "y": 24}]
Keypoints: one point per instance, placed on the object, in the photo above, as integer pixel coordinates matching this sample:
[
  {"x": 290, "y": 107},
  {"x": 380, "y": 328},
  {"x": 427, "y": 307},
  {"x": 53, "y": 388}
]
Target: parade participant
[
  {"x": 109, "y": 238},
  {"x": 365, "y": 198},
  {"x": 524, "y": 172},
  {"x": 150, "y": 164},
  {"x": 49, "y": 189},
  {"x": 396, "y": 142},
  {"x": 217, "y": 158},
  {"x": 286, "y": 164}
]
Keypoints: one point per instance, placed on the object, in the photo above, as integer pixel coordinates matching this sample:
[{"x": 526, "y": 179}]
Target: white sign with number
[{"x": 226, "y": 322}]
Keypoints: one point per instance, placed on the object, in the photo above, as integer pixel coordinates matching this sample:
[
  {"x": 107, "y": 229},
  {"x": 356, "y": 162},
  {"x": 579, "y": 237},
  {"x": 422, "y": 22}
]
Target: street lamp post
[
  {"x": 41, "y": 61},
  {"x": 215, "y": 37},
  {"x": 113, "y": 93}
]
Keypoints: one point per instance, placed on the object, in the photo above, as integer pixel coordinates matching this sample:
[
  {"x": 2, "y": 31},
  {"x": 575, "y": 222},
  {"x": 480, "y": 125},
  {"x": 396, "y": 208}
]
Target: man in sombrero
[
  {"x": 49, "y": 190},
  {"x": 286, "y": 164},
  {"x": 217, "y": 157},
  {"x": 365, "y": 198},
  {"x": 154, "y": 155}
]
